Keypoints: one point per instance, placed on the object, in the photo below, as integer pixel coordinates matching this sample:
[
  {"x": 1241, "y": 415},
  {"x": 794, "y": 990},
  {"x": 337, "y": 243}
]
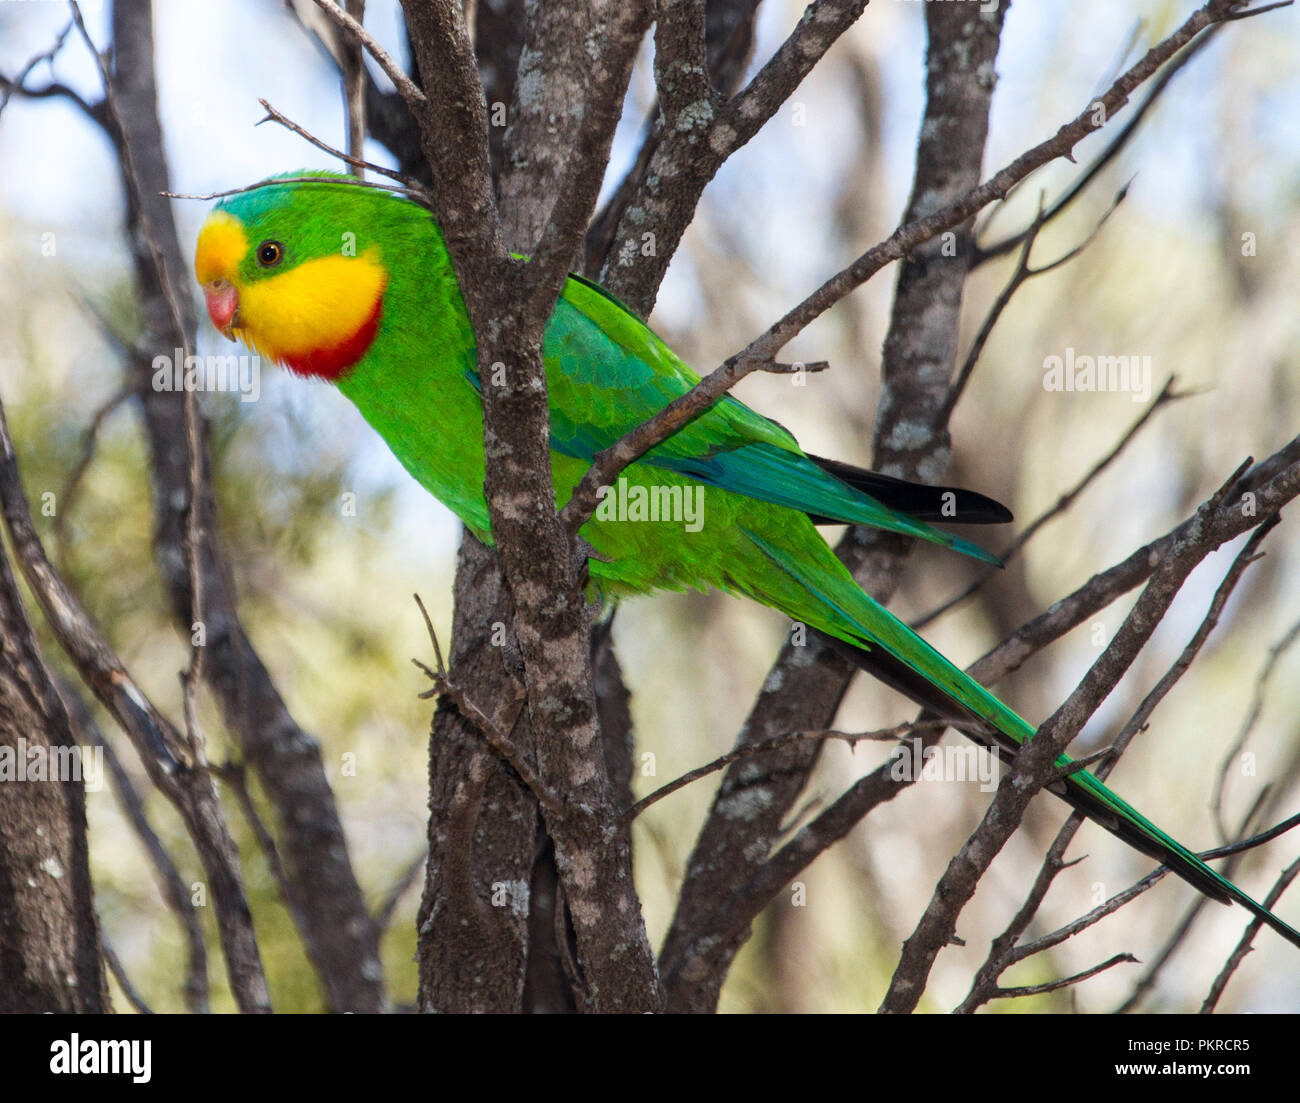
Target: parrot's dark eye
[{"x": 270, "y": 253}]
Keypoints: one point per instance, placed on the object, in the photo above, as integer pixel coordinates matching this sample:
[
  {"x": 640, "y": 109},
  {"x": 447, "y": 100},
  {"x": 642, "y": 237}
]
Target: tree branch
[
  {"x": 340, "y": 938},
  {"x": 808, "y": 682},
  {"x": 1001, "y": 953},
  {"x": 167, "y": 756},
  {"x": 1253, "y": 928},
  {"x": 1209, "y": 529},
  {"x": 173, "y": 889},
  {"x": 508, "y": 304},
  {"x": 901, "y": 243}
]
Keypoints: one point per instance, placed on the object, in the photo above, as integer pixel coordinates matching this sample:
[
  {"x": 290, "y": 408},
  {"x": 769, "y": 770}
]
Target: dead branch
[
  {"x": 168, "y": 757},
  {"x": 1275, "y": 653},
  {"x": 883, "y": 735},
  {"x": 1000, "y": 956},
  {"x": 175, "y": 893},
  {"x": 1035, "y": 762}
]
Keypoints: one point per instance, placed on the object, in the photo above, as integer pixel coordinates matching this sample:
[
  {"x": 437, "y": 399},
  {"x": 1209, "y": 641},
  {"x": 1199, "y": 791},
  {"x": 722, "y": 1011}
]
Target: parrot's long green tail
[{"x": 880, "y": 643}]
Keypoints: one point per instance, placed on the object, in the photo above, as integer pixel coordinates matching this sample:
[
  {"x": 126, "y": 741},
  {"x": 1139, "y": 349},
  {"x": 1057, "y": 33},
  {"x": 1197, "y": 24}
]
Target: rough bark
[
  {"x": 51, "y": 959},
  {"x": 509, "y": 303},
  {"x": 700, "y": 129},
  {"x": 483, "y": 821}
]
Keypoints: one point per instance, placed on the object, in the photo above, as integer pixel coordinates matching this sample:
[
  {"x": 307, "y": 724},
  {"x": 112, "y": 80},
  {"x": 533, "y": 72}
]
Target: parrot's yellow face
[{"x": 289, "y": 287}]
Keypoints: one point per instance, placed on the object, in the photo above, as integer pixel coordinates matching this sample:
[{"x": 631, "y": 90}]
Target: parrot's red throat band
[{"x": 332, "y": 362}]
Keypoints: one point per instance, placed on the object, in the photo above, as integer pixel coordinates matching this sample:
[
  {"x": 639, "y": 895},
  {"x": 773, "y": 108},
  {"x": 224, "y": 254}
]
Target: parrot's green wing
[{"x": 607, "y": 373}]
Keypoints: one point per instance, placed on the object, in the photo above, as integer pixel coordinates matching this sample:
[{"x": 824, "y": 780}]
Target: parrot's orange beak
[{"x": 223, "y": 306}]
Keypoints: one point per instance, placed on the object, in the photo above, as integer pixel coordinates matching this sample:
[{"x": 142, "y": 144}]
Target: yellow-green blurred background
[{"x": 326, "y": 596}]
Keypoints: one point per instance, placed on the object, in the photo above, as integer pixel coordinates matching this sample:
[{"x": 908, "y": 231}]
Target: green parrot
[{"x": 354, "y": 285}]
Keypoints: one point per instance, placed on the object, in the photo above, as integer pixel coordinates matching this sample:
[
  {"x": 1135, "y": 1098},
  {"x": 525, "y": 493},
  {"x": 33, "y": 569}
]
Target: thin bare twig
[
  {"x": 1258, "y": 839},
  {"x": 410, "y": 91},
  {"x": 494, "y": 731},
  {"x": 1271, "y": 480},
  {"x": 1002, "y": 949},
  {"x": 883, "y": 735},
  {"x": 1083, "y": 922},
  {"x": 1023, "y": 274},
  {"x": 1275, "y": 653},
  {"x": 275, "y": 116},
  {"x": 67, "y": 495},
  {"x": 1250, "y": 13},
  {"x": 1166, "y": 396},
  {"x": 1106, "y": 754},
  {"x": 1002, "y": 952},
  {"x": 1122, "y": 138},
  {"x": 17, "y": 85},
  {"x": 1034, "y": 763},
  {"x": 1247, "y": 937},
  {"x": 416, "y": 193},
  {"x": 1112, "y": 150},
  {"x": 1066, "y": 982},
  {"x": 1055, "y": 938},
  {"x": 1165, "y": 954},
  {"x": 119, "y": 972}
]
